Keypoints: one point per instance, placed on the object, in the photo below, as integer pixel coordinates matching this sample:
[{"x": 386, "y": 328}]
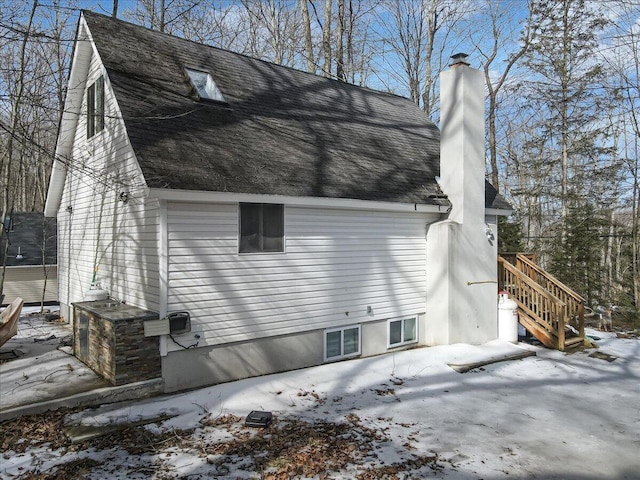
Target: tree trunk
[
  {"x": 349, "y": 33},
  {"x": 432, "y": 16},
  {"x": 162, "y": 26},
  {"x": 564, "y": 113},
  {"x": 326, "y": 38},
  {"x": 494, "y": 88},
  {"x": 308, "y": 44},
  {"x": 340, "y": 43}
]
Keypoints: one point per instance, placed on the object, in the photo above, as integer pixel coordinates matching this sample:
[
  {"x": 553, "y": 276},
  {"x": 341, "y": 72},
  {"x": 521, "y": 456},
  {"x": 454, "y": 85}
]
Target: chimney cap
[{"x": 459, "y": 59}]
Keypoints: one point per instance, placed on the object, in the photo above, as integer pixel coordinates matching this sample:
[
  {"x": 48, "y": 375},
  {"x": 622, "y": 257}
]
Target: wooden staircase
[{"x": 548, "y": 309}]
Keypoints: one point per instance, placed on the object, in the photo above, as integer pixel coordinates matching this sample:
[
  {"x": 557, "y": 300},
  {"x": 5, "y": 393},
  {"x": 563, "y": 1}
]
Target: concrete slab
[{"x": 42, "y": 374}]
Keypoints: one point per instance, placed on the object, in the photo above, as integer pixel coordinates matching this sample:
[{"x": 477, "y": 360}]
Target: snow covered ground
[
  {"x": 45, "y": 367},
  {"x": 408, "y": 414}
]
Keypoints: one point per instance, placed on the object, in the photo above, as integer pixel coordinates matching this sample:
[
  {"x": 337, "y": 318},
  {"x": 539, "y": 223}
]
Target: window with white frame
[
  {"x": 95, "y": 107},
  {"x": 261, "y": 227},
  {"x": 342, "y": 342},
  {"x": 402, "y": 332}
]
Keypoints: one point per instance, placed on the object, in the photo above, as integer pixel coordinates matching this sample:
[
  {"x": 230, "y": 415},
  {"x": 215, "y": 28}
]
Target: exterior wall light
[{"x": 489, "y": 233}]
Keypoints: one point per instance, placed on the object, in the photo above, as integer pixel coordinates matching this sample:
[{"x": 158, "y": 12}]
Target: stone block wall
[
  {"x": 116, "y": 349},
  {"x": 136, "y": 357}
]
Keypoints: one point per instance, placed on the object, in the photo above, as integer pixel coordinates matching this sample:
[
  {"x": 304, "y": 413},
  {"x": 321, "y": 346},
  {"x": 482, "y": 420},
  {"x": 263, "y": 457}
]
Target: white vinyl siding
[
  {"x": 337, "y": 263},
  {"x": 28, "y": 282},
  {"x": 95, "y": 229}
]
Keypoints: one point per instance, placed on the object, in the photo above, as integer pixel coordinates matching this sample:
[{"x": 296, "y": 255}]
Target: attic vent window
[{"x": 204, "y": 85}]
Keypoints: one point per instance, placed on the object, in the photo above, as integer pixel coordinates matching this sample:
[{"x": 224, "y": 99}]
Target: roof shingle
[{"x": 281, "y": 131}]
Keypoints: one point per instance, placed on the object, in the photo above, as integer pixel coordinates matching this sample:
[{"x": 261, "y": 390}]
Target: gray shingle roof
[
  {"x": 281, "y": 131},
  {"x": 26, "y": 236}
]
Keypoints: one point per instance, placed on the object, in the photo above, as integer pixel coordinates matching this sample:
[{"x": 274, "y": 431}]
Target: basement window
[
  {"x": 343, "y": 342},
  {"x": 95, "y": 107},
  {"x": 204, "y": 85},
  {"x": 261, "y": 227},
  {"x": 402, "y": 332}
]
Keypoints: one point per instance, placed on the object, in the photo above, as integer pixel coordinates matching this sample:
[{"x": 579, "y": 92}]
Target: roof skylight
[{"x": 204, "y": 85}]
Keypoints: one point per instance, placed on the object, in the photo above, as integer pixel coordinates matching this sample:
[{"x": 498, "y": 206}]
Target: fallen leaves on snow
[{"x": 290, "y": 448}]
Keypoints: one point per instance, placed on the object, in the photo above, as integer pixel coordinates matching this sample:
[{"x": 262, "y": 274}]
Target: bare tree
[
  {"x": 348, "y": 45},
  {"x": 340, "y": 24},
  {"x": 308, "y": 43},
  {"x": 326, "y": 39},
  {"x": 503, "y": 33},
  {"x": 12, "y": 131},
  {"x": 410, "y": 28},
  {"x": 35, "y": 59},
  {"x": 162, "y": 15},
  {"x": 622, "y": 58}
]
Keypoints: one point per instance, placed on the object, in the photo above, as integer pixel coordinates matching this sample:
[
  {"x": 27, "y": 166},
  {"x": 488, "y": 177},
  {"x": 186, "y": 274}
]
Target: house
[
  {"x": 31, "y": 265},
  {"x": 296, "y": 219}
]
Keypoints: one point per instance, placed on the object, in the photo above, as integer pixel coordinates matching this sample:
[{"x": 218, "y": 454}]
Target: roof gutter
[
  {"x": 498, "y": 211},
  {"x": 316, "y": 202}
]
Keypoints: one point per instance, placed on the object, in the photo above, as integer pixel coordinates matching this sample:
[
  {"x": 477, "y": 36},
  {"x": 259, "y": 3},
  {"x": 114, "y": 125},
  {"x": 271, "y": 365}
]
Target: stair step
[
  {"x": 575, "y": 341},
  {"x": 544, "y": 303}
]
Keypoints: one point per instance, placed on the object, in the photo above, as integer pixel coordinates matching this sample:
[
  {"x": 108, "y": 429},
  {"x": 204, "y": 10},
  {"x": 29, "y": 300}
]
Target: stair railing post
[
  {"x": 581, "y": 319},
  {"x": 562, "y": 320}
]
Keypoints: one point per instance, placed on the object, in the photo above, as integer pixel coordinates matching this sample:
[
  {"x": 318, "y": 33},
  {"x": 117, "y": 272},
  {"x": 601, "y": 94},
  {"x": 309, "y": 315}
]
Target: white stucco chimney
[
  {"x": 462, "y": 140},
  {"x": 462, "y": 291}
]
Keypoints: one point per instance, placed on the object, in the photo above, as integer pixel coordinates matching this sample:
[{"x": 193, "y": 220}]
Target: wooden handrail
[
  {"x": 548, "y": 278},
  {"x": 548, "y": 311},
  {"x": 543, "y": 299},
  {"x": 536, "y": 286},
  {"x": 576, "y": 309}
]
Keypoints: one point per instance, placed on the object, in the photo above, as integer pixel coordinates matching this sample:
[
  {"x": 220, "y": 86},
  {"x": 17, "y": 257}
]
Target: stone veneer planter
[{"x": 109, "y": 338}]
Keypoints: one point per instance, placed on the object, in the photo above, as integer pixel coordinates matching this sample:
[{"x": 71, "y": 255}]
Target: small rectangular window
[
  {"x": 261, "y": 227},
  {"x": 91, "y": 110},
  {"x": 99, "y": 122},
  {"x": 342, "y": 342},
  {"x": 95, "y": 107},
  {"x": 403, "y": 331}
]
